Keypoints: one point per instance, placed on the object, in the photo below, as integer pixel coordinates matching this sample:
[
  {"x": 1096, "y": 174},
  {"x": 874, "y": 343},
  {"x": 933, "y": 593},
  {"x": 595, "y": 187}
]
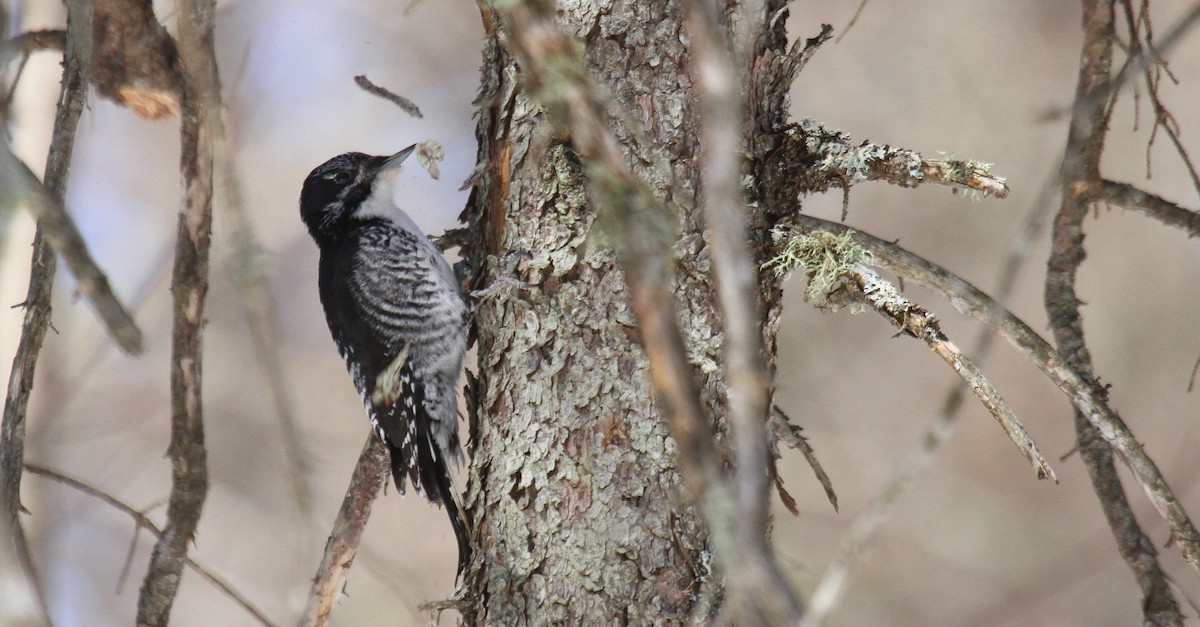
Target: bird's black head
[{"x": 336, "y": 190}]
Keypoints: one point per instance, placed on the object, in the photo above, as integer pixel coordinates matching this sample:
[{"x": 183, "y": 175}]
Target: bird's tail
[{"x": 435, "y": 482}]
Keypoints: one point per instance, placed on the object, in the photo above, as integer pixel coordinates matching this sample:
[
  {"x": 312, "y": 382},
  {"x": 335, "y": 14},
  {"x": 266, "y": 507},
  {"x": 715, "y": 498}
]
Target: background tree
[{"x": 566, "y": 431}]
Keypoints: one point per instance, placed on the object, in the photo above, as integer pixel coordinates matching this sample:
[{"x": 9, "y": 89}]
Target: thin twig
[
  {"x": 1083, "y": 394},
  {"x": 789, "y": 433},
  {"x": 405, "y": 104},
  {"x": 1161, "y": 209},
  {"x": 918, "y": 322},
  {"x": 370, "y": 474},
  {"x": 33, "y": 330},
  {"x": 145, "y": 523},
  {"x": 852, "y": 22},
  {"x": 200, "y": 131}
]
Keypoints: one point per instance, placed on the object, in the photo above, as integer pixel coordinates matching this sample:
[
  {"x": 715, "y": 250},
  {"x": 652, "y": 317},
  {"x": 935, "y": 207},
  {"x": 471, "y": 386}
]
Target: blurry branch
[
  {"x": 134, "y": 62},
  {"x": 1098, "y": 435},
  {"x": 1083, "y": 394},
  {"x": 30, "y": 42},
  {"x": 370, "y": 474},
  {"x": 754, "y": 576},
  {"x": 200, "y": 132},
  {"x": 248, "y": 268},
  {"x": 22, "y": 46},
  {"x": 143, "y": 522},
  {"x": 1161, "y": 209},
  {"x": 839, "y": 275},
  {"x": 832, "y": 584},
  {"x": 19, "y": 572},
  {"x": 400, "y": 101},
  {"x": 63, "y": 234},
  {"x": 853, "y": 20},
  {"x": 21, "y": 186}
]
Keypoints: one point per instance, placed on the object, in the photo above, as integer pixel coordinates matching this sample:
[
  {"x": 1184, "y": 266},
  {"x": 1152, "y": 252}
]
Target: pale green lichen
[{"x": 824, "y": 257}]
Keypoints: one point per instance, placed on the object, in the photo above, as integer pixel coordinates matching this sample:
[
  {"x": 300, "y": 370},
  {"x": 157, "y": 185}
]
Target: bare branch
[
  {"x": 1083, "y": 394},
  {"x": 1079, "y": 172},
  {"x": 201, "y": 130},
  {"x": 1161, "y": 209},
  {"x": 33, "y": 330},
  {"x": 145, "y": 523},
  {"x": 918, "y": 322},
  {"x": 839, "y": 275},
  {"x": 32, "y": 41},
  {"x": 852, "y": 22},
  {"x": 64, "y": 236},
  {"x": 370, "y": 474}
]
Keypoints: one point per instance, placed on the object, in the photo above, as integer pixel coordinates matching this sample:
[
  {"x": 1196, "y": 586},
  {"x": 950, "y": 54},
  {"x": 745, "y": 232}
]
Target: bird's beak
[{"x": 393, "y": 162}]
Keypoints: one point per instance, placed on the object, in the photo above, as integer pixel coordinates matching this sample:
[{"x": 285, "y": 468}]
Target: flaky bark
[
  {"x": 575, "y": 493},
  {"x": 580, "y": 512}
]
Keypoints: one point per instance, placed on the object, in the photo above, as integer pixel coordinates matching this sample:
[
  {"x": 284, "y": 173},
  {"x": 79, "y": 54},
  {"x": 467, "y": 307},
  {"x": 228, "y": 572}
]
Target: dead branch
[
  {"x": 789, "y": 433},
  {"x": 813, "y": 158},
  {"x": 1130, "y": 197},
  {"x": 140, "y": 519},
  {"x": 832, "y": 583},
  {"x": 201, "y": 130},
  {"x": 839, "y": 275},
  {"x": 1083, "y": 394},
  {"x": 370, "y": 474}
]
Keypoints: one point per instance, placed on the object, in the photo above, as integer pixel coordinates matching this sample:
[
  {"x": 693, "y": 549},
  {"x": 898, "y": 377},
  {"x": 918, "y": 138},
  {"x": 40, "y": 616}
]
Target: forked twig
[{"x": 145, "y": 523}]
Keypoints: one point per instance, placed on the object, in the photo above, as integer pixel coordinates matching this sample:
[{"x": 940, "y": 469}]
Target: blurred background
[{"x": 978, "y": 541}]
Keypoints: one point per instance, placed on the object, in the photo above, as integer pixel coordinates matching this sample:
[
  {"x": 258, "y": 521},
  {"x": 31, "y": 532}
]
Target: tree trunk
[{"x": 579, "y": 510}]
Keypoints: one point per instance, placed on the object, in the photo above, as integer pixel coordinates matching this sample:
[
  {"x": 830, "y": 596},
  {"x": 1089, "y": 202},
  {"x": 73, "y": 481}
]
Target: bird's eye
[{"x": 340, "y": 177}]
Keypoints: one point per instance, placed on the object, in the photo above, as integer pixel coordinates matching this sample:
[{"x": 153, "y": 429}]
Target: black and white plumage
[{"x": 387, "y": 291}]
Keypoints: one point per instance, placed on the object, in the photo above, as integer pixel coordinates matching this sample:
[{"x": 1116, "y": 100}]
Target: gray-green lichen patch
[{"x": 824, "y": 257}]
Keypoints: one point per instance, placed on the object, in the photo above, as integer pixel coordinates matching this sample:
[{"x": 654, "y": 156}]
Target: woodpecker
[{"x": 398, "y": 318}]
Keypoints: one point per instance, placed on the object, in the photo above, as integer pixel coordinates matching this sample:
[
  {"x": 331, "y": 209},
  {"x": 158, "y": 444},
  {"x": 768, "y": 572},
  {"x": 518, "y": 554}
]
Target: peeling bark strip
[{"x": 201, "y": 129}]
